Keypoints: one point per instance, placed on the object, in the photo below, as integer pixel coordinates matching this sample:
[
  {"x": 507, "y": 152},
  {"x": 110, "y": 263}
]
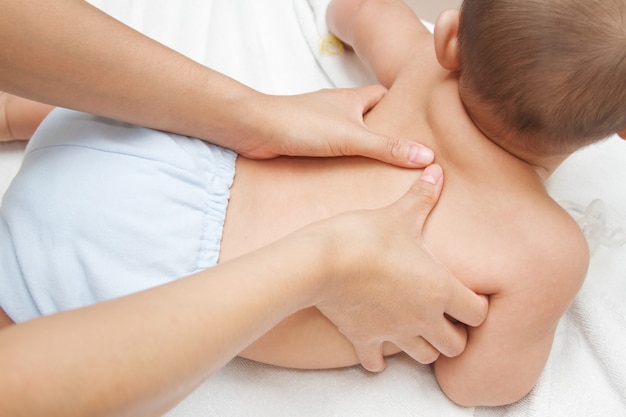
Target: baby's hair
[{"x": 551, "y": 72}]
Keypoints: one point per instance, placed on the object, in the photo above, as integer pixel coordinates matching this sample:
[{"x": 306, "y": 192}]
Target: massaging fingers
[
  {"x": 371, "y": 356},
  {"x": 448, "y": 338},
  {"x": 419, "y": 349},
  {"x": 370, "y": 95},
  {"x": 392, "y": 150},
  {"x": 422, "y": 196},
  {"x": 465, "y": 306}
]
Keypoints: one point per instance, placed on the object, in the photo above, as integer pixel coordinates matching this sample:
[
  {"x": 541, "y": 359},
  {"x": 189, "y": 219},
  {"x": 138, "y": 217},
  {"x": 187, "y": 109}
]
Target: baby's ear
[
  {"x": 446, "y": 32},
  {"x": 622, "y": 134}
]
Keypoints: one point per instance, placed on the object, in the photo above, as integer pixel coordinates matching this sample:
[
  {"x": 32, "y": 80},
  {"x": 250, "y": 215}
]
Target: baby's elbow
[
  {"x": 485, "y": 397},
  {"x": 468, "y": 391}
]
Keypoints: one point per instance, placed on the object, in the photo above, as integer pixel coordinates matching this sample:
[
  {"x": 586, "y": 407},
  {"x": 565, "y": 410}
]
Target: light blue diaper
[{"x": 102, "y": 209}]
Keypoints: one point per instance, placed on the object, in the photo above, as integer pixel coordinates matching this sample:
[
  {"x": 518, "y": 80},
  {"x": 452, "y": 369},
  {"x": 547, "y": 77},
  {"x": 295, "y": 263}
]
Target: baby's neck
[{"x": 544, "y": 165}]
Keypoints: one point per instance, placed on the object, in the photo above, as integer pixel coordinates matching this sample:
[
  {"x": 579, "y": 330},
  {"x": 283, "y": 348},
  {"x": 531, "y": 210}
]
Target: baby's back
[
  {"x": 493, "y": 209},
  {"x": 494, "y": 227}
]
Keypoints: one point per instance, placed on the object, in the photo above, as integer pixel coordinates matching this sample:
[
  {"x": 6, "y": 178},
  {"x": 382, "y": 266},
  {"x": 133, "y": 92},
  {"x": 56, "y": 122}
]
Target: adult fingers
[
  {"x": 370, "y": 95},
  {"x": 419, "y": 349},
  {"x": 395, "y": 151},
  {"x": 448, "y": 338},
  {"x": 371, "y": 356},
  {"x": 420, "y": 199},
  {"x": 465, "y": 305}
]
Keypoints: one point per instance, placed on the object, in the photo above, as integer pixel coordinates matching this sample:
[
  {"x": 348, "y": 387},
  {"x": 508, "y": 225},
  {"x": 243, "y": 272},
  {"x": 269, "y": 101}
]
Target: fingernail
[
  {"x": 432, "y": 174},
  {"x": 421, "y": 155}
]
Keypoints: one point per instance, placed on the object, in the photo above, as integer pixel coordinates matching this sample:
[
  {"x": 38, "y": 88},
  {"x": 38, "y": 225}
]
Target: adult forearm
[
  {"x": 139, "y": 355},
  {"x": 70, "y": 54}
]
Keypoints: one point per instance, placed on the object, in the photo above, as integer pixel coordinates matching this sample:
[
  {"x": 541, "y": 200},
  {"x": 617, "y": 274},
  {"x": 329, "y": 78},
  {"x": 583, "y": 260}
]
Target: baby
[{"x": 503, "y": 92}]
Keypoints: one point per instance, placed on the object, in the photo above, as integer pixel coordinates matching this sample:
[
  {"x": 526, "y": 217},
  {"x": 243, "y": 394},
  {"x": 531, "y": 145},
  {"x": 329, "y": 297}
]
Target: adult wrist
[
  {"x": 329, "y": 261},
  {"x": 306, "y": 264},
  {"x": 261, "y": 129},
  {"x": 240, "y": 120}
]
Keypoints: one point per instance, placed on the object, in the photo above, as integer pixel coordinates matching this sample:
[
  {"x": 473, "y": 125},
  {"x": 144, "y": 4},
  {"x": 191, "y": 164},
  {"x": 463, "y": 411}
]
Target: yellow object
[{"x": 331, "y": 45}]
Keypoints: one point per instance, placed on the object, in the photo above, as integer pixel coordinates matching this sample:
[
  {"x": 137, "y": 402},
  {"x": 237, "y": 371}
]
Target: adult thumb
[
  {"x": 393, "y": 150},
  {"x": 424, "y": 194}
]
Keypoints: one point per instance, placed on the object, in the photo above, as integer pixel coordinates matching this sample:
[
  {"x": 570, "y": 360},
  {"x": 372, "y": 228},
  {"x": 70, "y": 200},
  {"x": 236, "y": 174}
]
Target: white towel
[{"x": 270, "y": 45}]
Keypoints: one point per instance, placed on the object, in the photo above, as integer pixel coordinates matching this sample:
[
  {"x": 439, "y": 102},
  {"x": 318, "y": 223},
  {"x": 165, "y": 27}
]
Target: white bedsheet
[{"x": 273, "y": 46}]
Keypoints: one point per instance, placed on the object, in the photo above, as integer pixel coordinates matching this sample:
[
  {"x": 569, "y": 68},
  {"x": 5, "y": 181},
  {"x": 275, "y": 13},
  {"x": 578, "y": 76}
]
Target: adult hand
[
  {"x": 392, "y": 289},
  {"x": 330, "y": 123}
]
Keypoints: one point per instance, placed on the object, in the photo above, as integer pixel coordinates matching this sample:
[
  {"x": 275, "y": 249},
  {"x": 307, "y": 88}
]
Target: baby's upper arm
[
  {"x": 383, "y": 33},
  {"x": 506, "y": 354}
]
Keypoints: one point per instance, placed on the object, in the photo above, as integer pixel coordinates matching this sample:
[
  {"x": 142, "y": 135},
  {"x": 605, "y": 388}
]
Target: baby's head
[{"x": 543, "y": 76}]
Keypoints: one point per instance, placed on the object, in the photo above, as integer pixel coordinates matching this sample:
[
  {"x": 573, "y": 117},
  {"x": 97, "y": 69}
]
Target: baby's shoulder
[
  {"x": 549, "y": 254},
  {"x": 556, "y": 243},
  {"x": 516, "y": 242}
]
